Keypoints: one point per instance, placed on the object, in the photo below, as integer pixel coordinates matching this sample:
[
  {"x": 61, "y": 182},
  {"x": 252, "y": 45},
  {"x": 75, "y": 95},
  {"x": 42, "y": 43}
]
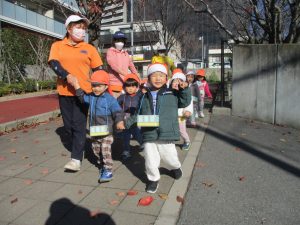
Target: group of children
[{"x": 155, "y": 115}]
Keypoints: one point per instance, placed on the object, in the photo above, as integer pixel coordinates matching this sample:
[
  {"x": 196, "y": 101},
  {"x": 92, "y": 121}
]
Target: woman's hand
[{"x": 71, "y": 79}]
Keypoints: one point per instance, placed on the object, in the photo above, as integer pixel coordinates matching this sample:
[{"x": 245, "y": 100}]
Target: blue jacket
[{"x": 104, "y": 109}]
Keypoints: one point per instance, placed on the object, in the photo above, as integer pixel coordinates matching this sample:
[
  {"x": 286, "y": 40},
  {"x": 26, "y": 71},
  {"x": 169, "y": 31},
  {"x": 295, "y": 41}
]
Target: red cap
[
  {"x": 101, "y": 77},
  {"x": 133, "y": 76}
]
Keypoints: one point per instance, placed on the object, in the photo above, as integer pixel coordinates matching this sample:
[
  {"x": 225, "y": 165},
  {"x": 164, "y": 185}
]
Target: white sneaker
[
  {"x": 201, "y": 115},
  {"x": 73, "y": 165}
]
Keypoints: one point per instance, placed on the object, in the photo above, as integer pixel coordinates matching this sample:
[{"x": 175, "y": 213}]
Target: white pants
[{"x": 154, "y": 151}]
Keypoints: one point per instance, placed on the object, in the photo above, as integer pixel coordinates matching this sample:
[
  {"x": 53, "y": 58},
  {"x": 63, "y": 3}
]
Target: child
[
  {"x": 129, "y": 102},
  {"x": 183, "y": 113},
  {"x": 105, "y": 111},
  {"x": 161, "y": 104},
  {"x": 190, "y": 78},
  {"x": 203, "y": 89}
]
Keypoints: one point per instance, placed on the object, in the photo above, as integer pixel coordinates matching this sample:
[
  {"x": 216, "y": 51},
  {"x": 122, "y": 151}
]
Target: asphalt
[{"x": 237, "y": 171}]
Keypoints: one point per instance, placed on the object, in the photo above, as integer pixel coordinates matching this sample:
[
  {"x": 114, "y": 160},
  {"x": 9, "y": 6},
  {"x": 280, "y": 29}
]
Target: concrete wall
[{"x": 265, "y": 83}]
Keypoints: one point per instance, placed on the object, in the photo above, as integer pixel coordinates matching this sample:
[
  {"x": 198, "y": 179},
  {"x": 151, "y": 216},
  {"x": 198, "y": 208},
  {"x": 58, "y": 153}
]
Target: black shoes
[
  {"x": 177, "y": 173},
  {"x": 152, "y": 187}
]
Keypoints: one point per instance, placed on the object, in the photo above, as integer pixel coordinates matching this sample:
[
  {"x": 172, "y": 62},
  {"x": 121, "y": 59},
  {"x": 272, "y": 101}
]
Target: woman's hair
[{"x": 131, "y": 82}]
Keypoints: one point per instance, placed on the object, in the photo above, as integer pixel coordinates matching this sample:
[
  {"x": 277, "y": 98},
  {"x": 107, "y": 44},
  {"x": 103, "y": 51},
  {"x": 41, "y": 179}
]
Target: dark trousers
[{"x": 74, "y": 116}]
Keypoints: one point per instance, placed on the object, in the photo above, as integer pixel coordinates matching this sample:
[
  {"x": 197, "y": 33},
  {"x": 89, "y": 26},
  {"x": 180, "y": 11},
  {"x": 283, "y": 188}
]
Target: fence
[{"x": 266, "y": 83}]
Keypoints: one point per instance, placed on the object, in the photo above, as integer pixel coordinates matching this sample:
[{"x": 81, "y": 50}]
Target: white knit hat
[
  {"x": 190, "y": 72},
  {"x": 156, "y": 67},
  {"x": 179, "y": 75}
]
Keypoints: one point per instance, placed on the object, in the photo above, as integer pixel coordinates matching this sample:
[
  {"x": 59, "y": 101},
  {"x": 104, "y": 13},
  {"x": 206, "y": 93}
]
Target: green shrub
[
  {"x": 4, "y": 90},
  {"x": 213, "y": 78},
  {"x": 47, "y": 84},
  {"x": 17, "y": 88},
  {"x": 30, "y": 85}
]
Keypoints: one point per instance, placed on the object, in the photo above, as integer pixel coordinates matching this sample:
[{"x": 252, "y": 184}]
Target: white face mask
[
  {"x": 119, "y": 45},
  {"x": 78, "y": 34}
]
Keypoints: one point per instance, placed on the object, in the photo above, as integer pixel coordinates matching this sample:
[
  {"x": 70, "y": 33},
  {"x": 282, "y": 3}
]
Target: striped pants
[{"x": 102, "y": 149}]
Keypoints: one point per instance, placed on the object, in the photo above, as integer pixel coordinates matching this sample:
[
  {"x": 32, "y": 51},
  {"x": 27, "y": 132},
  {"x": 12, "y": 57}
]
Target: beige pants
[{"x": 156, "y": 151}]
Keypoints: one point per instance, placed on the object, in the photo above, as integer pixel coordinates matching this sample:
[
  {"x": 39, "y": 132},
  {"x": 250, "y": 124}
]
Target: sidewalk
[{"x": 35, "y": 190}]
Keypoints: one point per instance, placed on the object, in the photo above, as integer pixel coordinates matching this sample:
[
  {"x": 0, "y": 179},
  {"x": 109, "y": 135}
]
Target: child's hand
[
  {"x": 183, "y": 84},
  {"x": 120, "y": 125},
  {"x": 144, "y": 90},
  {"x": 187, "y": 114}
]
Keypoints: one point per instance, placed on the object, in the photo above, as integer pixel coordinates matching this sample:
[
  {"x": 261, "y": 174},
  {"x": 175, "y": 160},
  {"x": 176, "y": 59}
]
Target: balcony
[{"x": 19, "y": 16}]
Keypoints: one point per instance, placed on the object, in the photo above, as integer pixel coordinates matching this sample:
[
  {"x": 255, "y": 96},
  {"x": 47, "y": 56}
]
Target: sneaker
[
  {"x": 177, "y": 173},
  {"x": 126, "y": 155},
  {"x": 152, "y": 187},
  {"x": 201, "y": 115},
  {"x": 105, "y": 176},
  {"x": 186, "y": 146},
  {"x": 73, "y": 165}
]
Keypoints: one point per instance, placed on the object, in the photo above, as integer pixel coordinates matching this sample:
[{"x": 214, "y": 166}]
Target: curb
[
  {"x": 27, "y": 95},
  {"x": 221, "y": 110},
  {"x": 170, "y": 211},
  {"x": 28, "y": 121}
]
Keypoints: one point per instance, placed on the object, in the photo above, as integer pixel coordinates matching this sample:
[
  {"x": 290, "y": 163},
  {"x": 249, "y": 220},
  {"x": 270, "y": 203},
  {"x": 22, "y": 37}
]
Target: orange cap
[
  {"x": 201, "y": 72},
  {"x": 100, "y": 76},
  {"x": 177, "y": 70},
  {"x": 132, "y": 76},
  {"x": 144, "y": 80}
]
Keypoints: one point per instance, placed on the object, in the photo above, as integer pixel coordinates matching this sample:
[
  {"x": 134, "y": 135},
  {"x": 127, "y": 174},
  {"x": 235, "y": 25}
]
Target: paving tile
[
  {"x": 3, "y": 178},
  {"x": 10, "y": 211},
  {"x": 73, "y": 192},
  {"x": 87, "y": 178},
  {"x": 59, "y": 175},
  {"x": 36, "y": 173},
  {"x": 55, "y": 162},
  {"x": 13, "y": 169},
  {"x": 45, "y": 213},
  {"x": 130, "y": 204},
  {"x": 121, "y": 181},
  {"x": 86, "y": 216},
  {"x": 3, "y": 196},
  {"x": 39, "y": 190},
  {"x": 103, "y": 198},
  {"x": 130, "y": 218},
  {"x": 12, "y": 185}
]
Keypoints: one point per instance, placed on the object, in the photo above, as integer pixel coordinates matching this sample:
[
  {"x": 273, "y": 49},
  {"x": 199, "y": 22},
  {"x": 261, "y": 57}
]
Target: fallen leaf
[
  {"x": 114, "y": 202},
  {"x": 44, "y": 153},
  {"x": 243, "y": 134},
  {"x": 163, "y": 196},
  {"x": 28, "y": 182},
  {"x": 242, "y": 178},
  {"x": 80, "y": 192},
  {"x": 132, "y": 192},
  {"x": 120, "y": 194},
  {"x": 282, "y": 139},
  {"x": 199, "y": 164},
  {"x": 208, "y": 183},
  {"x": 29, "y": 165},
  {"x": 36, "y": 141},
  {"x": 179, "y": 199},
  {"x": 2, "y": 158},
  {"x": 145, "y": 201},
  {"x": 237, "y": 149},
  {"x": 95, "y": 213},
  {"x": 25, "y": 131},
  {"x": 13, "y": 151},
  {"x": 25, "y": 157},
  {"x": 14, "y": 201},
  {"x": 45, "y": 171},
  {"x": 63, "y": 154}
]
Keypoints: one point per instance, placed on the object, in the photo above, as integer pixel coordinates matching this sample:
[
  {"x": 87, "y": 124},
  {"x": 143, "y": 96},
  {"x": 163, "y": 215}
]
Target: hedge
[{"x": 24, "y": 87}]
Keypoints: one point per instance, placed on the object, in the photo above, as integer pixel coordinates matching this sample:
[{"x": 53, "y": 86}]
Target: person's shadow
[
  {"x": 65, "y": 138},
  {"x": 63, "y": 211}
]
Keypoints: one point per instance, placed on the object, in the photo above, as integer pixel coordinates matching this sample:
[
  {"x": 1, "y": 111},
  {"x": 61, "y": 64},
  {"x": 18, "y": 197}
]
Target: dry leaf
[
  {"x": 14, "y": 201},
  {"x": 2, "y": 158},
  {"x": 179, "y": 199},
  {"x": 25, "y": 131},
  {"x": 114, "y": 202},
  {"x": 80, "y": 192},
  {"x": 36, "y": 141},
  {"x": 208, "y": 183},
  {"x": 237, "y": 149},
  {"x": 63, "y": 154},
  {"x": 120, "y": 194},
  {"x": 282, "y": 139},
  {"x": 29, "y": 165},
  {"x": 95, "y": 213},
  {"x": 28, "y": 182},
  {"x": 243, "y": 134},
  {"x": 163, "y": 196},
  {"x": 132, "y": 192},
  {"x": 44, "y": 153},
  {"x": 242, "y": 178},
  {"x": 45, "y": 171},
  {"x": 145, "y": 201},
  {"x": 13, "y": 151},
  {"x": 25, "y": 157},
  {"x": 199, "y": 164}
]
